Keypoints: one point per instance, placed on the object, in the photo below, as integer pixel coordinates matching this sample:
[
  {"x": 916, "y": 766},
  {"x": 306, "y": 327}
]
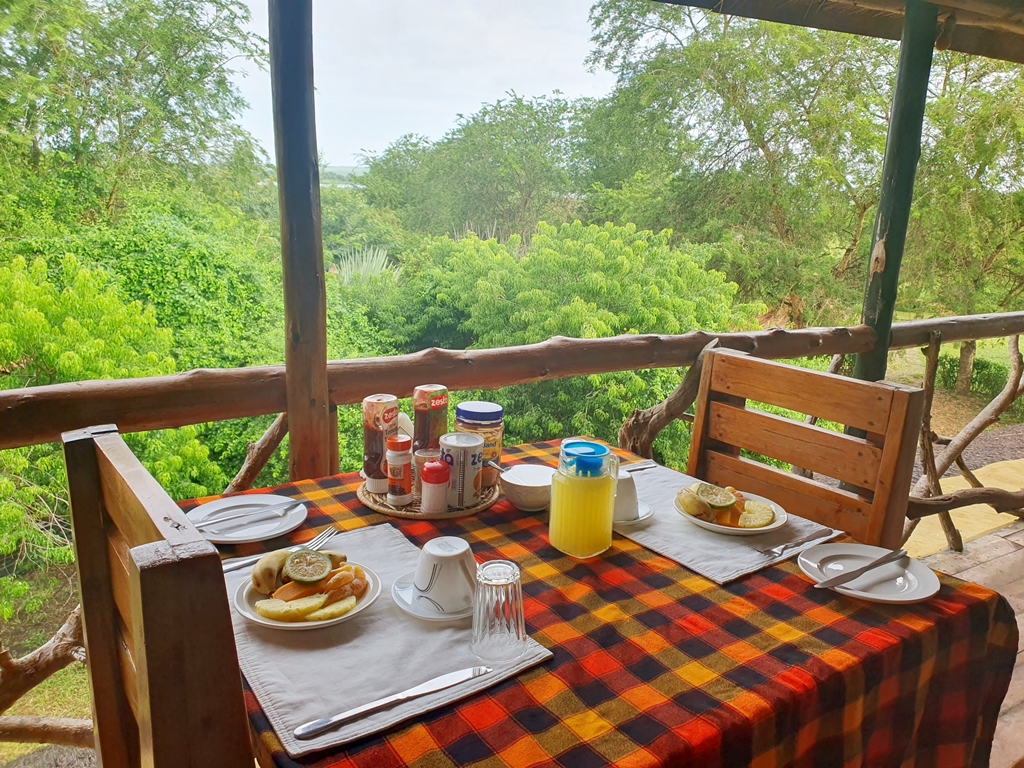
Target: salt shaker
[{"x": 435, "y": 487}]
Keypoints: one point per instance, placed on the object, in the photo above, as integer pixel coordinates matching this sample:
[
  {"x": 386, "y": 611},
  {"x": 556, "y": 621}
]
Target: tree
[
  {"x": 966, "y": 243},
  {"x": 71, "y": 324},
  {"x": 770, "y": 132},
  {"x": 501, "y": 170},
  {"x": 572, "y": 280}
]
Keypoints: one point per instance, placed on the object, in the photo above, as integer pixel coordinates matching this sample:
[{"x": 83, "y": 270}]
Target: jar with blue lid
[{"x": 487, "y": 420}]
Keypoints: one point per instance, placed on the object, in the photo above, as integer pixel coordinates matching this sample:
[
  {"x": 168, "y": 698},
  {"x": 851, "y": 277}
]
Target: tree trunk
[{"x": 966, "y": 371}]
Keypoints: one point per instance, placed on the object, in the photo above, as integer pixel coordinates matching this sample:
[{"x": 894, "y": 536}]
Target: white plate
[
  {"x": 402, "y": 593},
  {"x": 246, "y": 597},
  {"x": 244, "y": 534},
  {"x": 780, "y": 519},
  {"x": 645, "y": 510},
  {"x": 905, "y": 581}
]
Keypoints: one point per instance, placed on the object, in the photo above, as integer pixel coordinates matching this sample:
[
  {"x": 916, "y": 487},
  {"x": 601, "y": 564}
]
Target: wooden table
[{"x": 654, "y": 665}]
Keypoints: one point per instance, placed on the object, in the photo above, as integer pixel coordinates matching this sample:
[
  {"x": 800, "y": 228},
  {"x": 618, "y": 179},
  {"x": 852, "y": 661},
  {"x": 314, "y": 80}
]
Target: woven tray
[{"x": 378, "y": 502}]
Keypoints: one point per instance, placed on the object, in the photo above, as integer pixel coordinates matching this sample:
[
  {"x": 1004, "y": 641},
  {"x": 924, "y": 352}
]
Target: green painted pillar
[{"x": 902, "y": 150}]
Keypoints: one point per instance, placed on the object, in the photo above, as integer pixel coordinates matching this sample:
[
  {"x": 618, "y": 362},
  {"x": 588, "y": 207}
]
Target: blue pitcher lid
[{"x": 589, "y": 457}]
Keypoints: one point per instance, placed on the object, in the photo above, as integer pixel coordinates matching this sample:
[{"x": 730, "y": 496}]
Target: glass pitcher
[{"x": 583, "y": 498}]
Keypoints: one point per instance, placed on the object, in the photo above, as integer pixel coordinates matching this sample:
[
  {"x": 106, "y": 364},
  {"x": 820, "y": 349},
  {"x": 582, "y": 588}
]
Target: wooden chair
[
  {"x": 875, "y": 470},
  {"x": 166, "y": 688}
]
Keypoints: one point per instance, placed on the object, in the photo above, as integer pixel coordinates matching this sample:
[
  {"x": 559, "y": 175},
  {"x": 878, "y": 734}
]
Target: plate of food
[
  {"x": 306, "y": 589},
  {"x": 728, "y": 511}
]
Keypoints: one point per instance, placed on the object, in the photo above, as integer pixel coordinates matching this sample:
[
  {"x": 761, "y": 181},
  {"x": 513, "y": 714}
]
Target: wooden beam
[
  {"x": 916, "y": 333},
  {"x": 866, "y": 18},
  {"x": 34, "y": 415},
  {"x": 999, "y": 499},
  {"x": 902, "y": 150},
  {"x": 302, "y": 257},
  {"x": 47, "y": 730}
]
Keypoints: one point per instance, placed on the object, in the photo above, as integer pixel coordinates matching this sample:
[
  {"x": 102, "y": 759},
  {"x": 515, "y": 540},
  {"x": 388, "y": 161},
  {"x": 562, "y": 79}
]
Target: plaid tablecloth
[{"x": 654, "y": 665}]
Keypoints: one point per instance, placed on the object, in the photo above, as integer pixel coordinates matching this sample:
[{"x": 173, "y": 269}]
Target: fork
[
  {"x": 782, "y": 548},
  {"x": 318, "y": 542}
]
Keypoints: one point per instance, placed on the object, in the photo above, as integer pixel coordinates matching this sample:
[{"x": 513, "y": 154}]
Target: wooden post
[
  {"x": 902, "y": 150},
  {"x": 302, "y": 256}
]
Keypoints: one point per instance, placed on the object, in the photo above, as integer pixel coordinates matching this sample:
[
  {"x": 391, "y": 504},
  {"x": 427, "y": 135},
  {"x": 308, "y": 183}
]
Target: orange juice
[
  {"x": 581, "y": 514},
  {"x": 583, "y": 499}
]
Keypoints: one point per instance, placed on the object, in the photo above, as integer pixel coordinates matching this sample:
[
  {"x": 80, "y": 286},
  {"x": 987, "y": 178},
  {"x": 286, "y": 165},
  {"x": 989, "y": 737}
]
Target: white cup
[
  {"x": 627, "y": 507},
  {"x": 445, "y": 578}
]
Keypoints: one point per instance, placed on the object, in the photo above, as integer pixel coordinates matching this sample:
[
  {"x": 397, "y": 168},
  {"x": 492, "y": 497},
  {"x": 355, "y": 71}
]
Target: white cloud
[{"x": 384, "y": 68}]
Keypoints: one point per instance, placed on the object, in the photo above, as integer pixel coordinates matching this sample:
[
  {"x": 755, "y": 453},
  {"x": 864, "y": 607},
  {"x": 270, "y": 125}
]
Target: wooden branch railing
[
  {"x": 641, "y": 428},
  {"x": 18, "y": 676},
  {"x": 40, "y": 414},
  {"x": 258, "y": 454},
  {"x": 999, "y": 499}
]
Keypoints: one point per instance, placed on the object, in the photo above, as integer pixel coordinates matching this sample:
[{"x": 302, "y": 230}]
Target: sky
[{"x": 384, "y": 68}]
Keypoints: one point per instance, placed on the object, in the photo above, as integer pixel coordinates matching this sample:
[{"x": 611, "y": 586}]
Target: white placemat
[
  {"x": 716, "y": 556},
  {"x": 302, "y": 676}
]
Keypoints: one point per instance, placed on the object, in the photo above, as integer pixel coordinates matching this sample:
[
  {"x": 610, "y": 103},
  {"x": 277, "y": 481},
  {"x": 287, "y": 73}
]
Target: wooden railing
[{"x": 40, "y": 414}]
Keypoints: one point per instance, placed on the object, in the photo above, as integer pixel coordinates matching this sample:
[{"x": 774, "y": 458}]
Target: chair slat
[
  {"x": 842, "y": 457},
  {"x": 892, "y": 490},
  {"x": 824, "y": 395},
  {"x": 136, "y": 503},
  {"x": 120, "y": 582},
  {"x": 799, "y": 496},
  {"x": 129, "y": 673}
]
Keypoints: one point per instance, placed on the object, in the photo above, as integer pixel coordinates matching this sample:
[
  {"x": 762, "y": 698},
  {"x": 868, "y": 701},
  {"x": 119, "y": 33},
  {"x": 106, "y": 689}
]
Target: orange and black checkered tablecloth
[{"x": 654, "y": 665}]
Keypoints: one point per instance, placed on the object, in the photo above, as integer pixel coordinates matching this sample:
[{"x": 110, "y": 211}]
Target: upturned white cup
[
  {"x": 627, "y": 507},
  {"x": 445, "y": 578}
]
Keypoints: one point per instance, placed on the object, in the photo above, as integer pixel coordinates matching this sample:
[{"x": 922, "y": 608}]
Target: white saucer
[
  {"x": 239, "y": 533},
  {"x": 905, "y": 581},
  {"x": 246, "y": 598},
  {"x": 778, "y": 522},
  {"x": 645, "y": 510},
  {"x": 402, "y": 593}
]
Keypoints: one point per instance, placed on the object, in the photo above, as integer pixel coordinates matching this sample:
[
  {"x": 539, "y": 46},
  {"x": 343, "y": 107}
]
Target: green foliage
[
  {"x": 355, "y": 264},
  {"x": 988, "y": 378},
  {"x": 69, "y": 326},
  {"x": 74, "y": 328},
  {"x": 501, "y": 170},
  {"x": 574, "y": 280}
]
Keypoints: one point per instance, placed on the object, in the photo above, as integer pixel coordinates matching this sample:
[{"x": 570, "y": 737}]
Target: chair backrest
[
  {"x": 874, "y": 471},
  {"x": 166, "y": 687}
]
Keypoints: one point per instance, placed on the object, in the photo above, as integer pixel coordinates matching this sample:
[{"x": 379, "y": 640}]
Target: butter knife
[
  {"x": 856, "y": 573},
  {"x": 316, "y": 727}
]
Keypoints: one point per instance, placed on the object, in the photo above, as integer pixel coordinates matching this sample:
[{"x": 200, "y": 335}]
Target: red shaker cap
[
  {"x": 399, "y": 443},
  {"x": 435, "y": 472}
]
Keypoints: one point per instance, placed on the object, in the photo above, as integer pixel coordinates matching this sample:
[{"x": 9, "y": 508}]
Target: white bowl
[{"x": 528, "y": 486}]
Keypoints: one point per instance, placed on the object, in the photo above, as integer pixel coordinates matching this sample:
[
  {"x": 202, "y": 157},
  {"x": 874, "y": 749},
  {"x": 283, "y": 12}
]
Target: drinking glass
[{"x": 499, "y": 630}]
